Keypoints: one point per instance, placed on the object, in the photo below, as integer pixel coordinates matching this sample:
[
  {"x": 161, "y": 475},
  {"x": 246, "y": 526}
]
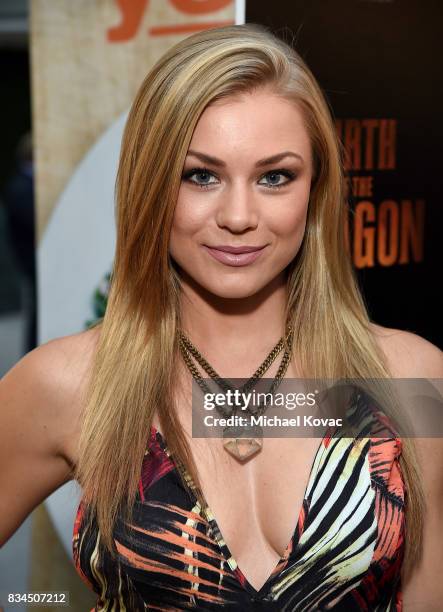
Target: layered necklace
[{"x": 239, "y": 447}]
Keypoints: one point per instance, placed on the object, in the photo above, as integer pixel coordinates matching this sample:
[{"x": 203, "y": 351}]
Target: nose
[{"x": 237, "y": 210}]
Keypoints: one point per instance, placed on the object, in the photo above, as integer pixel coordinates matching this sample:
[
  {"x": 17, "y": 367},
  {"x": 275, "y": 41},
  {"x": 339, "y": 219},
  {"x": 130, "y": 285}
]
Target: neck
[{"x": 234, "y": 335}]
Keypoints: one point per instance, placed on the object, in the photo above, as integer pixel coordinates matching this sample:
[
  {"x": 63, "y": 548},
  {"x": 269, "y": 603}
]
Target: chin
[
  {"x": 233, "y": 283},
  {"x": 237, "y": 289}
]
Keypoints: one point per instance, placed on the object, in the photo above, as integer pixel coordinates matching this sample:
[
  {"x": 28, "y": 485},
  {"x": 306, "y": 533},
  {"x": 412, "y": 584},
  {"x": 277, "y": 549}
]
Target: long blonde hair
[{"x": 135, "y": 359}]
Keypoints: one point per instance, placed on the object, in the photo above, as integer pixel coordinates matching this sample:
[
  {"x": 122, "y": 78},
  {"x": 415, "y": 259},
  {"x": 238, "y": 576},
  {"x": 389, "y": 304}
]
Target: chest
[
  {"x": 257, "y": 504},
  {"x": 344, "y": 552},
  {"x": 264, "y": 495}
]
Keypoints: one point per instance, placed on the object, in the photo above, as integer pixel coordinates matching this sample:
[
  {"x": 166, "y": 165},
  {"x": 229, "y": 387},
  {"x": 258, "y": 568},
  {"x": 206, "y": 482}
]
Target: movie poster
[{"x": 380, "y": 64}]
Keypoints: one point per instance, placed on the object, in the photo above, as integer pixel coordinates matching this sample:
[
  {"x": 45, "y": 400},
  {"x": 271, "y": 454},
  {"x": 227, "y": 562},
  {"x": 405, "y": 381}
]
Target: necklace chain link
[{"x": 187, "y": 349}]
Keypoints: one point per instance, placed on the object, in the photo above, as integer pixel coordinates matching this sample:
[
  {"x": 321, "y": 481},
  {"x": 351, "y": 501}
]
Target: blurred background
[
  {"x": 69, "y": 71},
  {"x": 17, "y": 233},
  {"x": 17, "y": 251}
]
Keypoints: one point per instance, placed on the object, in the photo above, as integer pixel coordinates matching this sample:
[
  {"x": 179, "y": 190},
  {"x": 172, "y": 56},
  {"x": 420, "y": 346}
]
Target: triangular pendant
[
  {"x": 239, "y": 443},
  {"x": 242, "y": 448}
]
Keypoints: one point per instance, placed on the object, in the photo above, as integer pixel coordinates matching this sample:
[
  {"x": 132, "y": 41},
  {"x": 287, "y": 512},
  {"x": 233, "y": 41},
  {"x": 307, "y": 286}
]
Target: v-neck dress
[{"x": 345, "y": 553}]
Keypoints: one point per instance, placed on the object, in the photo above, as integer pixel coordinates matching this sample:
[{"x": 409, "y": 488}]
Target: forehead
[{"x": 251, "y": 124}]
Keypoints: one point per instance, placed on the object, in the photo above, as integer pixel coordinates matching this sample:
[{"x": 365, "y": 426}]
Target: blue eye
[
  {"x": 287, "y": 173},
  {"x": 290, "y": 176},
  {"x": 200, "y": 171}
]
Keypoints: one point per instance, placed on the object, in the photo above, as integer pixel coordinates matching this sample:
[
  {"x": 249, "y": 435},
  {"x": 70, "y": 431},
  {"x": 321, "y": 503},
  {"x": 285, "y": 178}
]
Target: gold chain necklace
[{"x": 243, "y": 447}]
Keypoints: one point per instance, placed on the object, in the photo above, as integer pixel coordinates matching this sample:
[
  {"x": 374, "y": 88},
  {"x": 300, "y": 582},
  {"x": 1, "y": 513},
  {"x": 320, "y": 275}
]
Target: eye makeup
[{"x": 289, "y": 174}]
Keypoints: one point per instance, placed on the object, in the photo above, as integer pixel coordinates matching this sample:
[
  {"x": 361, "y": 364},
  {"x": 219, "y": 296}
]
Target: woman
[{"x": 229, "y": 147}]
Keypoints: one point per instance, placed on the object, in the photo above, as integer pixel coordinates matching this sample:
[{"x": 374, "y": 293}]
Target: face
[{"x": 240, "y": 215}]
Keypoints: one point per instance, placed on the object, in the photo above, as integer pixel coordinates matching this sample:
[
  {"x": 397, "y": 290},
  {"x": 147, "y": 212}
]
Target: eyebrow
[{"x": 209, "y": 159}]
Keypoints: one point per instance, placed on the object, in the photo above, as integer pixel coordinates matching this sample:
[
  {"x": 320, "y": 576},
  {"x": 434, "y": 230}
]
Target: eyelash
[{"x": 287, "y": 173}]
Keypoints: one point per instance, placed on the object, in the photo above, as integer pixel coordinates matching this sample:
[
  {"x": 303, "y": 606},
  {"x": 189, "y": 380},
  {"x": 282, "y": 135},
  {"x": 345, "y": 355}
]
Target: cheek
[
  {"x": 184, "y": 224},
  {"x": 190, "y": 216},
  {"x": 288, "y": 219}
]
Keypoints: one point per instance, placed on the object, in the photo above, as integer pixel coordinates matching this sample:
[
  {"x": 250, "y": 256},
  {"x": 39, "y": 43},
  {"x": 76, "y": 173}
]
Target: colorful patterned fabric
[{"x": 345, "y": 553}]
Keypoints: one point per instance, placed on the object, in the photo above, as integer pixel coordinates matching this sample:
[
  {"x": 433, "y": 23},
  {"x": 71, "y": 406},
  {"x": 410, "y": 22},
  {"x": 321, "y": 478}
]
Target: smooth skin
[{"x": 234, "y": 315}]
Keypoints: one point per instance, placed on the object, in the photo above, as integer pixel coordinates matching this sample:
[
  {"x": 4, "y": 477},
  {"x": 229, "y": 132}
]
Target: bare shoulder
[
  {"x": 50, "y": 382},
  {"x": 62, "y": 364},
  {"x": 412, "y": 356},
  {"x": 408, "y": 355},
  {"x": 40, "y": 406},
  {"x": 69, "y": 359}
]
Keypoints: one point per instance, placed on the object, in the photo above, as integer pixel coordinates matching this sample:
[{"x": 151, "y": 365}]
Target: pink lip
[
  {"x": 235, "y": 256},
  {"x": 234, "y": 249}
]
